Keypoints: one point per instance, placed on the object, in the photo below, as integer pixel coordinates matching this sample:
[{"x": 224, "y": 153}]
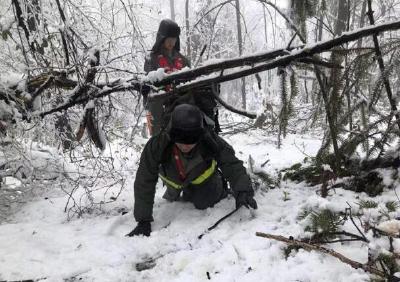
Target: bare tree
[
  {"x": 172, "y": 8},
  {"x": 188, "y": 33},
  {"x": 240, "y": 45}
]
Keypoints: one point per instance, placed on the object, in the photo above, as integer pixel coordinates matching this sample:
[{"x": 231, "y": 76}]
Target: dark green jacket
[{"x": 157, "y": 152}]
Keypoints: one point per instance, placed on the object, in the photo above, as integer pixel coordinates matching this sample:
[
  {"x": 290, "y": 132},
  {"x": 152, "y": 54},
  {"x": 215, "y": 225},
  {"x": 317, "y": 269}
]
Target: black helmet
[
  {"x": 167, "y": 28},
  {"x": 186, "y": 124}
]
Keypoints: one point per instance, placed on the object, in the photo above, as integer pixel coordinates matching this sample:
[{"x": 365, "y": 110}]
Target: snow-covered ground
[{"x": 39, "y": 242}]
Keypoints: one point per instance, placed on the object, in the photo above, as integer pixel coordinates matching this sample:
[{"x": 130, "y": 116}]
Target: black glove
[
  {"x": 142, "y": 228},
  {"x": 246, "y": 199}
]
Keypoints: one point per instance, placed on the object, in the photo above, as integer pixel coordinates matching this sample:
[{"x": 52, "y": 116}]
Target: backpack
[{"x": 203, "y": 98}]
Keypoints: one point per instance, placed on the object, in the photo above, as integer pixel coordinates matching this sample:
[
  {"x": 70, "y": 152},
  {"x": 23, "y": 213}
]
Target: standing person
[
  {"x": 164, "y": 54},
  {"x": 186, "y": 157}
]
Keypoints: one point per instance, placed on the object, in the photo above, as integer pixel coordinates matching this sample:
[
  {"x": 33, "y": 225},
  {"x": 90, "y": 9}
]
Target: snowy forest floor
[{"x": 38, "y": 242}]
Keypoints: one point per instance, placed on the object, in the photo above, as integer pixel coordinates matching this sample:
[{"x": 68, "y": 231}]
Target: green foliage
[
  {"x": 392, "y": 206},
  {"x": 263, "y": 181},
  {"x": 389, "y": 261},
  {"x": 299, "y": 173},
  {"x": 362, "y": 176},
  {"x": 364, "y": 106},
  {"x": 389, "y": 69},
  {"x": 383, "y": 139},
  {"x": 286, "y": 196},
  {"x": 5, "y": 34},
  {"x": 337, "y": 84},
  {"x": 367, "y": 204},
  {"x": 296, "y": 166},
  {"x": 370, "y": 183},
  {"x": 304, "y": 213},
  {"x": 326, "y": 228},
  {"x": 289, "y": 249},
  {"x": 312, "y": 173},
  {"x": 324, "y": 223}
]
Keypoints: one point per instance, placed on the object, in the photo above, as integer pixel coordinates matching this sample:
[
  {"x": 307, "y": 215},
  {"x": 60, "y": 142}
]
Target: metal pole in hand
[{"x": 218, "y": 222}]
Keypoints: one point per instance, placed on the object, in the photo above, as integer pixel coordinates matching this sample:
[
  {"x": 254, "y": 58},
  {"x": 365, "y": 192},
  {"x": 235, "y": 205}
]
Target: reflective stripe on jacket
[
  {"x": 197, "y": 181},
  {"x": 211, "y": 147}
]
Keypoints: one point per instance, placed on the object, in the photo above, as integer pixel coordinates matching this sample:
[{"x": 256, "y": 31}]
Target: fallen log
[
  {"x": 277, "y": 58},
  {"x": 282, "y": 61},
  {"x": 294, "y": 53}
]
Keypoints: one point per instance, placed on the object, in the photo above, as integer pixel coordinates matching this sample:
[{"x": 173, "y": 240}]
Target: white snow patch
[
  {"x": 390, "y": 226},
  {"x": 327, "y": 167},
  {"x": 154, "y": 76}
]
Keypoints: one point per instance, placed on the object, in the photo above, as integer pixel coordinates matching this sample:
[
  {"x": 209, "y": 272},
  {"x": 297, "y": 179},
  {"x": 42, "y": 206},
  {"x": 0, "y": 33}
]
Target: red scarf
[{"x": 176, "y": 65}]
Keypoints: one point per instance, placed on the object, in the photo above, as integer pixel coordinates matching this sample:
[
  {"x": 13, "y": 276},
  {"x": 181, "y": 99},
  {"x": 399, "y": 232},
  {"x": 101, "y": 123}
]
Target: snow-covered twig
[
  {"x": 229, "y": 107},
  {"x": 292, "y": 25},
  {"x": 356, "y": 226}
]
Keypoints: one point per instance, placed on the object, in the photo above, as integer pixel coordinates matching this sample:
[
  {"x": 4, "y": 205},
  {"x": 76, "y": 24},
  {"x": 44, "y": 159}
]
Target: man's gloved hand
[
  {"x": 142, "y": 228},
  {"x": 246, "y": 199}
]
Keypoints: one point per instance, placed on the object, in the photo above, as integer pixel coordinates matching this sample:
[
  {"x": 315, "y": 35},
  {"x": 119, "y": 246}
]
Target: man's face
[
  {"x": 185, "y": 148},
  {"x": 169, "y": 43}
]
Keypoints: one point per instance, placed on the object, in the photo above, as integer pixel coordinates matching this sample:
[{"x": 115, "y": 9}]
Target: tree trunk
[
  {"x": 21, "y": 23},
  {"x": 332, "y": 95},
  {"x": 269, "y": 76},
  {"x": 336, "y": 58},
  {"x": 240, "y": 42},
  {"x": 188, "y": 35},
  {"x": 381, "y": 64},
  {"x": 318, "y": 37},
  {"x": 33, "y": 10},
  {"x": 364, "y": 108},
  {"x": 172, "y": 7}
]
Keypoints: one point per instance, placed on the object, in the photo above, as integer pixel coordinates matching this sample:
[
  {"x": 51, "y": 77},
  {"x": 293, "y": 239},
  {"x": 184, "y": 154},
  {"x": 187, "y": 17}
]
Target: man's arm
[
  {"x": 232, "y": 168},
  {"x": 147, "y": 176},
  {"x": 234, "y": 171}
]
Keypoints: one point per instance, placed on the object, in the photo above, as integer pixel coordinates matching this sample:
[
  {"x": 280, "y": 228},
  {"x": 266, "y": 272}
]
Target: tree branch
[
  {"x": 310, "y": 247},
  {"x": 229, "y": 107},
  {"x": 40, "y": 90},
  {"x": 292, "y": 25},
  {"x": 280, "y": 57},
  {"x": 378, "y": 53},
  {"x": 277, "y": 58},
  {"x": 63, "y": 40},
  {"x": 21, "y": 23},
  {"x": 332, "y": 128}
]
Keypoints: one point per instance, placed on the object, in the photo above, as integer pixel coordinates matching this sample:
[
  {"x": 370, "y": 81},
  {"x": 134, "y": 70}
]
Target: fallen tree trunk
[
  {"x": 282, "y": 61},
  {"x": 300, "y": 51},
  {"x": 278, "y": 58}
]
